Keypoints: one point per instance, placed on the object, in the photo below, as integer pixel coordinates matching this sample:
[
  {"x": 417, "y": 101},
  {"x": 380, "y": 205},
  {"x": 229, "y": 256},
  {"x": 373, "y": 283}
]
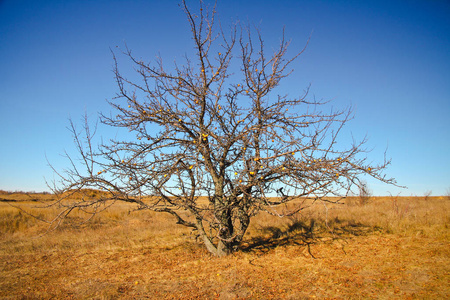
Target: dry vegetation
[{"x": 389, "y": 248}]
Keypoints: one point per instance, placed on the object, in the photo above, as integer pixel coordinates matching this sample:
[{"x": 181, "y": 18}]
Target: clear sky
[{"x": 390, "y": 60}]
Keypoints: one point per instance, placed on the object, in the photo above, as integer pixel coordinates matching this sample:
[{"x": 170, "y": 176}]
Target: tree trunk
[
  {"x": 231, "y": 230},
  {"x": 219, "y": 250}
]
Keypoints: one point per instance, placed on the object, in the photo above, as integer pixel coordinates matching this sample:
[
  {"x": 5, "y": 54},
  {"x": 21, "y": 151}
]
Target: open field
[{"x": 390, "y": 248}]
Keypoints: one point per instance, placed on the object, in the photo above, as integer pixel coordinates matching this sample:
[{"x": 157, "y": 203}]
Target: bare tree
[
  {"x": 212, "y": 146},
  {"x": 427, "y": 194}
]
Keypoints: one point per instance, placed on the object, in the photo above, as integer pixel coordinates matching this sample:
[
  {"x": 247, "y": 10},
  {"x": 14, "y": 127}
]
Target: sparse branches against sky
[{"x": 388, "y": 59}]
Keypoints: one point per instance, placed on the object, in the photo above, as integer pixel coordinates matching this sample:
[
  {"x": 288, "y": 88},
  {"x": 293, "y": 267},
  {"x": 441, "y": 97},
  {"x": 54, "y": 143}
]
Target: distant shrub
[{"x": 364, "y": 194}]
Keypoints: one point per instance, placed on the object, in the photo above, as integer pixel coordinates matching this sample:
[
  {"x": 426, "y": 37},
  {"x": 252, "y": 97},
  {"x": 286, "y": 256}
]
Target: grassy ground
[{"x": 391, "y": 248}]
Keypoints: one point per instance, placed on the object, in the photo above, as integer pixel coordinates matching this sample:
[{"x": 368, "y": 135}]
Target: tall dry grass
[
  {"x": 117, "y": 227},
  {"x": 391, "y": 247},
  {"x": 392, "y": 215}
]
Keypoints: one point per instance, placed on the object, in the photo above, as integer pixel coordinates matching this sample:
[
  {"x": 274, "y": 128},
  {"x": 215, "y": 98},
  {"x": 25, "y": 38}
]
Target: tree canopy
[{"x": 212, "y": 144}]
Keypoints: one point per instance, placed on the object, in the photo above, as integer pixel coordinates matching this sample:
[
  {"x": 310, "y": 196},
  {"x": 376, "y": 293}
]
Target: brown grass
[{"x": 391, "y": 248}]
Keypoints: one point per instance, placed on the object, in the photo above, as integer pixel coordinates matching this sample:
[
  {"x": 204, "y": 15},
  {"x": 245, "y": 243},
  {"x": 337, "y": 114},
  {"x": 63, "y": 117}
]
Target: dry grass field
[{"x": 390, "y": 248}]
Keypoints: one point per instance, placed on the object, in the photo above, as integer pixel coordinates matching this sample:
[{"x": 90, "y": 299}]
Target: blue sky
[{"x": 390, "y": 60}]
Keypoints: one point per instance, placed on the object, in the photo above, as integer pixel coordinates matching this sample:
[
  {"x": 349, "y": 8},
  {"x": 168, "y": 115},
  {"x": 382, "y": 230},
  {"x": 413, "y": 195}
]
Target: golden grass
[{"x": 391, "y": 248}]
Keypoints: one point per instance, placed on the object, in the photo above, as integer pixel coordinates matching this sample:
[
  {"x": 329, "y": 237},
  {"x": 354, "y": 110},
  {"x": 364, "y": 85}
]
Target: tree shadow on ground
[{"x": 306, "y": 233}]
